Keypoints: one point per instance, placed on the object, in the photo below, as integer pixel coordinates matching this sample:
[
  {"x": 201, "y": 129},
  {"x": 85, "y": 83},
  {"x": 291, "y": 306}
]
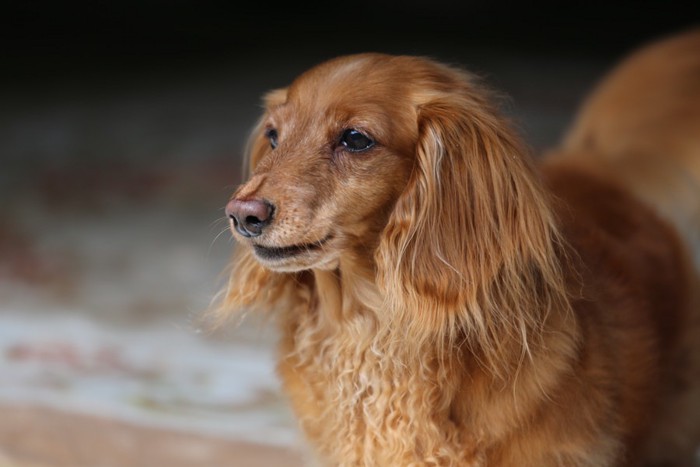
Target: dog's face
[
  {"x": 399, "y": 170},
  {"x": 329, "y": 159}
]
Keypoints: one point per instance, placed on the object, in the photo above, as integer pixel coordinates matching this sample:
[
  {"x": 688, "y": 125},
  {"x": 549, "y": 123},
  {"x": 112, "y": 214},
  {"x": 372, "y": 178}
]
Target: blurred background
[{"x": 122, "y": 125}]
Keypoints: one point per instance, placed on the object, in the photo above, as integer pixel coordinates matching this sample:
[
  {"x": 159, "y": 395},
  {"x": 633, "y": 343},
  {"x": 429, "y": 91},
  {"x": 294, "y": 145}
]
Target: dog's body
[{"x": 443, "y": 302}]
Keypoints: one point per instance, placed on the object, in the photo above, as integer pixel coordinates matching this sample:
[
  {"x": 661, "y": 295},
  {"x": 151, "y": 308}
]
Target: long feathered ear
[
  {"x": 470, "y": 251},
  {"x": 250, "y": 286}
]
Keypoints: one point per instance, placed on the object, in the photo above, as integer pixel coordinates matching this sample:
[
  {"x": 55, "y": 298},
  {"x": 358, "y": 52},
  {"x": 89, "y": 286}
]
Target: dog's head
[
  {"x": 329, "y": 159},
  {"x": 405, "y": 164}
]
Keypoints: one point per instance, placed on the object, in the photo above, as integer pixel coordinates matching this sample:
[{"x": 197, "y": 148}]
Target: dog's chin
[{"x": 294, "y": 258}]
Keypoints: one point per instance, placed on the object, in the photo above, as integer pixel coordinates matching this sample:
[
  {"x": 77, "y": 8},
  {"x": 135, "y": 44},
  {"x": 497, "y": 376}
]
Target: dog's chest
[{"x": 361, "y": 401}]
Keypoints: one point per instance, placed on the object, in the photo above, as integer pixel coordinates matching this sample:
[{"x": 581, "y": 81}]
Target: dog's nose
[{"x": 249, "y": 216}]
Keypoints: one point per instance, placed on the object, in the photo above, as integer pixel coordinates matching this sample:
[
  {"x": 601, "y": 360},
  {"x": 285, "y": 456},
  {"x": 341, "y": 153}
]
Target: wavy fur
[
  {"x": 472, "y": 176},
  {"x": 444, "y": 301}
]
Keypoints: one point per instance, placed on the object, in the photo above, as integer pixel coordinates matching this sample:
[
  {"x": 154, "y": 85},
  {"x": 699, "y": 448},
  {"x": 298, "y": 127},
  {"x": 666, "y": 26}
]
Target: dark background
[{"x": 67, "y": 37}]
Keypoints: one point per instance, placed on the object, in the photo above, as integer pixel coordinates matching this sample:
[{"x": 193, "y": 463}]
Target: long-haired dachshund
[{"x": 444, "y": 300}]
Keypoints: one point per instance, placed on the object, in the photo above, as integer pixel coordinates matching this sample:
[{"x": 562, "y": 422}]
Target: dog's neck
[
  {"x": 351, "y": 293},
  {"x": 361, "y": 370},
  {"x": 348, "y": 290}
]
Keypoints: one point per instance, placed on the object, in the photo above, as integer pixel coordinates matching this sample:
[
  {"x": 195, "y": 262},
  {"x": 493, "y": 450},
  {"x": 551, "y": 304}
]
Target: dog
[{"x": 446, "y": 299}]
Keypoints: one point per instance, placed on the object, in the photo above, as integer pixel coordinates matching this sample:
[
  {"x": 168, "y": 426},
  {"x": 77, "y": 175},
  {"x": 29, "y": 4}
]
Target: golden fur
[{"x": 453, "y": 303}]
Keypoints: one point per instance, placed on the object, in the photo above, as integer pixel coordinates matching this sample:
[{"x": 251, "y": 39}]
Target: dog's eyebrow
[{"x": 275, "y": 98}]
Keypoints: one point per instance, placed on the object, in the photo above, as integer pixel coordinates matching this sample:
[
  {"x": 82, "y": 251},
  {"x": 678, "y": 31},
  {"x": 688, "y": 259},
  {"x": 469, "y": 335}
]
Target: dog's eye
[
  {"x": 271, "y": 134},
  {"x": 355, "y": 141}
]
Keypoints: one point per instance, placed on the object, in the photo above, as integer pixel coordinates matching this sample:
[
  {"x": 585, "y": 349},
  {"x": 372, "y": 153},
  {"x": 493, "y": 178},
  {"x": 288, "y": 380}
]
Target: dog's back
[
  {"x": 640, "y": 132},
  {"x": 642, "y": 127}
]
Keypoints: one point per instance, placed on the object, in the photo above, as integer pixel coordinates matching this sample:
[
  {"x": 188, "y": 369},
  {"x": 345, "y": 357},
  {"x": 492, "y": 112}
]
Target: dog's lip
[{"x": 276, "y": 253}]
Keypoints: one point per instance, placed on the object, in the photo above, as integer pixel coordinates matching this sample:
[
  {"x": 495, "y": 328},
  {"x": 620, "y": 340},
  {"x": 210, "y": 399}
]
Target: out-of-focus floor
[{"x": 40, "y": 437}]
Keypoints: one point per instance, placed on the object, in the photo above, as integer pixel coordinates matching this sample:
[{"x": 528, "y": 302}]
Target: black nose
[{"x": 249, "y": 216}]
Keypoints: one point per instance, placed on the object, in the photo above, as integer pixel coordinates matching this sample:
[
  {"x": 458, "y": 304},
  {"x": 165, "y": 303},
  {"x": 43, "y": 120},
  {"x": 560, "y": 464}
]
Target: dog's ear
[
  {"x": 471, "y": 241},
  {"x": 251, "y": 286}
]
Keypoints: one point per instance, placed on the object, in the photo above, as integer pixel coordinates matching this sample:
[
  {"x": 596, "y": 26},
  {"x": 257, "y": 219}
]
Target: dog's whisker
[
  {"x": 211, "y": 244},
  {"x": 218, "y": 221}
]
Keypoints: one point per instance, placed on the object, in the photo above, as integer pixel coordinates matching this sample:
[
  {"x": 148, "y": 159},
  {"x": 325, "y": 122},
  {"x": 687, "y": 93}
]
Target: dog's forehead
[
  {"x": 343, "y": 68},
  {"x": 354, "y": 76},
  {"x": 373, "y": 92}
]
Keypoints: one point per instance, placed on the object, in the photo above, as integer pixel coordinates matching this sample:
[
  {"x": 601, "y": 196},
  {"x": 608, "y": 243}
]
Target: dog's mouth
[{"x": 284, "y": 252}]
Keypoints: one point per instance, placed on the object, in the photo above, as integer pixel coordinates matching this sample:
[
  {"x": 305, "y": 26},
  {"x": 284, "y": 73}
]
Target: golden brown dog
[{"x": 444, "y": 301}]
